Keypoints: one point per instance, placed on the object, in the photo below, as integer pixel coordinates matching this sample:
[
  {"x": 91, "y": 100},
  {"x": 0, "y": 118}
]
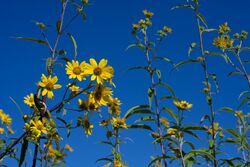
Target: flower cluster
[{"x": 7, "y": 121}]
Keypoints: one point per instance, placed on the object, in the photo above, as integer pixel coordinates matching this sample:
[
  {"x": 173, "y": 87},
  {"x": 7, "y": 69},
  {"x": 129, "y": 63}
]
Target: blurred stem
[
  {"x": 156, "y": 103},
  {"x": 204, "y": 65},
  {"x": 241, "y": 64},
  {"x": 35, "y": 154},
  {"x": 180, "y": 136}
]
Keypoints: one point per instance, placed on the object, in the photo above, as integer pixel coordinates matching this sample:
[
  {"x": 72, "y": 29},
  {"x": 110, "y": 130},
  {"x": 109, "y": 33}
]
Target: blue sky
[{"x": 106, "y": 34}]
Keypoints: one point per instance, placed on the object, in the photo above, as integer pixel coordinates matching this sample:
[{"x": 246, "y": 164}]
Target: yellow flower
[
  {"x": 135, "y": 26},
  {"x": 74, "y": 88},
  {"x": 217, "y": 128},
  {"x": 223, "y": 42},
  {"x": 172, "y": 132},
  {"x": 119, "y": 122},
  {"x": 5, "y": 118},
  {"x": 100, "y": 72},
  {"x": 48, "y": 84},
  {"x": 104, "y": 122},
  {"x": 87, "y": 125},
  {"x": 164, "y": 121},
  {"x": 223, "y": 29},
  {"x": 1, "y": 130},
  {"x": 147, "y": 13},
  {"x": 51, "y": 151},
  {"x": 29, "y": 100},
  {"x": 88, "y": 105},
  {"x": 67, "y": 147},
  {"x": 74, "y": 70},
  {"x": 238, "y": 113},
  {"x": 101, "y": 95},
  {"x": 114, "y": 106},
  {"x": 167, "y": 29},
  {"x": 183, "y": 105},
  {"x": 36, "y": 127}
]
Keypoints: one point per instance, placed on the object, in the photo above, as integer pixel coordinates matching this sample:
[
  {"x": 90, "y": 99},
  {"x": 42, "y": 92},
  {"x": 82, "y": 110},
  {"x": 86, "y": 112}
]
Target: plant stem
[
  {"x": 204, "y": 65},
  {"x": 156, "y": 103},
  {"x": 35, "y": 154}
]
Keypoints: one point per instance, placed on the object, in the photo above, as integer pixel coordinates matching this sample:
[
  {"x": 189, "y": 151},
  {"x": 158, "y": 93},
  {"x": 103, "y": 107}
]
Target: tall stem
[
  {"x": 204, "y": 66},
  {"x": 156, "y": 103}
]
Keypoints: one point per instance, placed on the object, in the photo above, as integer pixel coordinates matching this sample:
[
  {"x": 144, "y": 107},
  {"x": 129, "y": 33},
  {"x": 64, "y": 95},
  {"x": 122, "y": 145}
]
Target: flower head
[
  {"x": 49, "y": 84},
  {"x": 183, "y": 105},
  {"x": 36, "y": 127},
  {"x": 101, "y": 95},
  {"x": 100, "y": 72},
  {"x": 119, "y": 122},
  {"x": 75, "y": 70},
  {"x": 147, "y": 13},
  {"x": 223, "y": 29},
  {"x": 29, "y": 100},
  {"x": 5, "y": 118},
  {"x": 172, "y": 132},
  {"x": 223, "y": 42},
  {"x": 87, "y": 125}
]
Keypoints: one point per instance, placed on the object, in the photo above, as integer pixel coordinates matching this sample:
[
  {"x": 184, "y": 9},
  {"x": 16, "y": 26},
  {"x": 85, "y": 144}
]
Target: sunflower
[
  {"x": 99, "y": 72},
  {"x": 183, "y": 105},
  {"x": 48, "y": 84},
  {"x": 75, "y": 70},
  {"x": 29, "y": 100},
  {"x": 87, "y": 125},
  {"x": 119, "y": 123},
  {"x": 101, "y": 95}
]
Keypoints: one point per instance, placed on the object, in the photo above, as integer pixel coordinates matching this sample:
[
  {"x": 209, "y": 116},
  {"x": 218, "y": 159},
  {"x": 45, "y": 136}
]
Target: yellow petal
[
  {"x": 93, "y": 62},
  {"x": 50, "y": 94},
  {"x": 103, "y": 63}
]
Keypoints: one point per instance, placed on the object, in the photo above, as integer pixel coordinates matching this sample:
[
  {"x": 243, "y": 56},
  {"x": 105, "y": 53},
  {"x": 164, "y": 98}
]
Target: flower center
[
  {"x": 97, "y": 71},
  {"x": 49, "y": 86},
  {"x": 77, "y": 70}
]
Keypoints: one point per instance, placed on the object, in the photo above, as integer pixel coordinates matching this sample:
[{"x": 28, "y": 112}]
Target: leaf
[
  {"x": 228, "y": 109},
  {"x": 105, "y": 159},
  {"x": 158, "y": 72},
  {"x": 160, "y": 158},
  {"x": 213, "y": 76},
  {"x": 74, "y": 44},
  {"x": 202, "y": 19},
  {"x": 199, "y": 152},
  {"x": 184, "y": 62},
  {"x": 139, "y": 68},
  {"x": 32, "y": 39},
  {"x": 205, "y": 117},
  {"x": 234, "y": 73},
  {"x": 224, "y": 56},
  {"x": 233, "y": 132},
  {"x": 58, "y": 26},
  {"x": 140, "y": 126},
  {"x": 163, "y": 58},
  {"x": 171, "y": 112},
  {"x": 182, "y": 6},
  {"x": 65, "y": 59},
  {"x": 138, "y": 45},
  {"x": 23, "y": 152},
  {"x": 245, "y": 49},
  {"x": 145, "y": 118},
  {"x": 140, "y": 109},
  {"x": 49, "y": 64},
  {"x": 209, "y": 30},
  {"x": 18, "y": 107},
  {"x": 62, "y": 120},
  {"x": 150, "y": 95},
  {"x": 168, "y": 87},
  {"x": 243, "y": 101}
]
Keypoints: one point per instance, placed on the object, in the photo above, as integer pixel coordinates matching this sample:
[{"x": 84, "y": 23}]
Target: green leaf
[
  {"x": 209, "y": 30},
  {"x": 145, "y": 118},
  {"x": 65, "y": 59},
  {"x": 228, "y": 109},
  {"x": 105, "y": 159},
  {"x": 234, "y": 73},
  {"x": 140, "y": 126},
  {"x": 243, "y": 101},
  {"x": 33, "y": 40},
  {"x": 200, "y": 152},
  {"x": 191, "y": 47},
  {"x": 139, "y": 68},
  {"x": 233, "y": 132},
  {"x": 140, "y": 109},
  {"x": 224, "y": 56},
  {"x": 62, "y": 120},
  {"x": 163, "y": 58},
  {"x": 205, "y": 117},
  {"x": 74, "y": 44},
  {"x": 49, "y": 64},
  {"x": 213, "y": 76},
  {"x": 245, "y": 49},
  {"x": 160, "y": 158},
  {"x": 182, "y": 6},
  {"x": 171, "y": 112},
  {"x": 185, "y": 62},
  {"x": 58, "y": 26},
  {"x": 150, "y": 96},
  {"x": 138, "y": 45},
  {"x": 168, "y": 87},
  {"x": 18, "y": 107},
  {"x": 23, "y": 152}
]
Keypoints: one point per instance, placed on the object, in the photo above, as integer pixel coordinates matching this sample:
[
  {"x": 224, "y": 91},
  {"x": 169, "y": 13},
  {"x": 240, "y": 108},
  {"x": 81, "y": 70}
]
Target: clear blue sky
[{"x": 106, "y": 34}]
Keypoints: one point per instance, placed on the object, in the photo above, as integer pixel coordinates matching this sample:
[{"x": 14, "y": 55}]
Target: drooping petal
[{"x": 103, "y": 63}]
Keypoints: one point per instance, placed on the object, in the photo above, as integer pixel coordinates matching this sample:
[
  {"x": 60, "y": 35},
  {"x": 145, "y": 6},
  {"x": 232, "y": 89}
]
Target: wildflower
[
  {"x": 217, "y": 129},
  {"x": 119, "y": 122},
  {"x": 147, "y": 13},
  {"x": 1, "y": 130},
  {"x": 36, "y": 128},
  {"x": 223, "y": 42},
  {"x": 99, "y": 72},
  {"x": 5, "y": 118},
  {"x": 164, "y": 121},
  {"x": 238, "y": 113},
  {"x": 48, "y": 84},
  {"x": 104, "y": 122},
  {"x": 236, "y": 35},
  {"x": 244, "y": 34},
  {"x": 114, "y": 106},
  {"x": 67, "y": 147},
  {"x": 75, "y": 70},
  {"x": 155, "y": 135},
  {"x": 29, "y": 100},
  {"x": 87, "y": 125},
  {"x": 223, "y": 29},
  {"x": 167, "y": 29},
  {"x": 88, "y": 105},
  {"x": 183, "y": 105},
  {"x": 74, "y": 88},
  {"x": 101, "y": 95},
  {"x": 135, "y": 26},
  {"x": 51, "y": 151},
  {"x": 172, "y": 132}
]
